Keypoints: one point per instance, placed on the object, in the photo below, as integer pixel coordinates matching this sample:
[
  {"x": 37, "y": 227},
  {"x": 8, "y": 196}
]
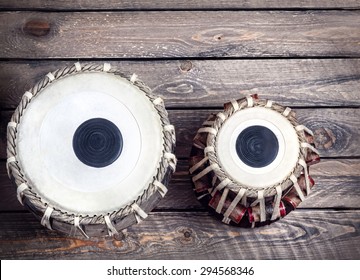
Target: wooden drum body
[
  {"x": 250, "y": 163},
  {"x": 91, "y": 151}
]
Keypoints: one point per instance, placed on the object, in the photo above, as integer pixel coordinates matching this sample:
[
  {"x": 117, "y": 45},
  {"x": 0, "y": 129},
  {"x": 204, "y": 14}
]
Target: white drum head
[
  {"x": 244, "y": 167},
  {"x": 45, "y": 143}
]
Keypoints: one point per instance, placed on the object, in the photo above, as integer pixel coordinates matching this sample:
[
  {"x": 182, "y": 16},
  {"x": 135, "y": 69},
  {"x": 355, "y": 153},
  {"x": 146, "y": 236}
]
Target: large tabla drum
[
  {"x": 250, "y": 162},
  {"x": 90, "y": 150}
]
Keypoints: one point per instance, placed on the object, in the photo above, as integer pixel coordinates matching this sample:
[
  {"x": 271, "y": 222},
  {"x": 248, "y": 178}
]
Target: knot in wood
[
  {"x": 324, "y": 138},
  {"x": 186, "y": 66},
  {"x": 186, "y": 236},
  {"x": 37, "y": 27},
  {"x": 218, "y": 37}
]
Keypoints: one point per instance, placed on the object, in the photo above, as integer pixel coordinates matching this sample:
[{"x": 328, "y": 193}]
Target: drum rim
[
  {"x": 26, "y": 194},
  {"x": 228, "y": 112},
  {"x": 278, "y": 120}
]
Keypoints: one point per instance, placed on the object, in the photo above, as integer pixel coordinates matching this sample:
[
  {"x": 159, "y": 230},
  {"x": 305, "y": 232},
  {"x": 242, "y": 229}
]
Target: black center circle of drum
[
  {"x": 257, "y": 146},
  {"x": 97, "y": 142}
]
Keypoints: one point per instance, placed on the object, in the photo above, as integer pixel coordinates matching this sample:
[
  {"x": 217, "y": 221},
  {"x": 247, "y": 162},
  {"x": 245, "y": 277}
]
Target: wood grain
[
  {"x": 197, "y": 55},
  {"x": 180, "y": 34},
  {"x": 209, "y": 83},
  {"x": 300, "y": 235},
  {"x": 337, "y": 186},
  {"x": 337, "y": 131},
  {"x": 169, "y": 4}
]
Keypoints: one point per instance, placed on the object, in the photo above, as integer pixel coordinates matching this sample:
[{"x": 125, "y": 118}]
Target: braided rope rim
[
  {"x": 14, "y": 167},
  {"x": 222, "y": 174}
]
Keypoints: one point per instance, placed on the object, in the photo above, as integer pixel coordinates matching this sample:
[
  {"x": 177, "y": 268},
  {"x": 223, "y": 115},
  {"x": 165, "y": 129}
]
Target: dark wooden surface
[
  {"x": 197, "y": 55},
  {"x": 203, "y": 34},
  {"x": 175, "y": 5},
  {"x": 207, "y": 83}
]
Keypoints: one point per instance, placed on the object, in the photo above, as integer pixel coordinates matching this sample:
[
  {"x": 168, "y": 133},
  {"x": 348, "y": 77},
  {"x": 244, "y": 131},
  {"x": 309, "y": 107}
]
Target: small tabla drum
[
  {"x": 90, "y": 150},
  {"x": 250, "y": 163}
]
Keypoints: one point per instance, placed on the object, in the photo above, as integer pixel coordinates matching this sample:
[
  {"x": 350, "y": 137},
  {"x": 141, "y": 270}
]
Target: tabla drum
[
  {"x": 90, "y": 150},
  {"x": 250, "y": 162}
]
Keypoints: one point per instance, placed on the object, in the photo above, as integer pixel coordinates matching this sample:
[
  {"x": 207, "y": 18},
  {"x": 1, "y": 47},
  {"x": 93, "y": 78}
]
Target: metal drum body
[
  {"x": 90, "y": 150},
  {"x": 250, "y": 163}
]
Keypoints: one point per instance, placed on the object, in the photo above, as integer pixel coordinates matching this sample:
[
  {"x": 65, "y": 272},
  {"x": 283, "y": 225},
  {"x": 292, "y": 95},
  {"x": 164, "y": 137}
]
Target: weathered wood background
[{"x": 197, "y": 55}]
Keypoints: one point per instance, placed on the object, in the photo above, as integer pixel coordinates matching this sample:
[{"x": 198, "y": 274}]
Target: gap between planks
[{"x": 88, "y": 5}]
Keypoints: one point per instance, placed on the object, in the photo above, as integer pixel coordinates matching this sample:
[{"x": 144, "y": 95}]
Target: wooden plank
[
  {"x": 169, "y": 4},
  {"x": 338, "y": 135},
  {"x": 301, "y": 235},
  {"x": 179, "y": 34},
  {"x": 209, "y": 83},
  {"x": 337, "y": 186},
  {"x": 336, "y": 130}
]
